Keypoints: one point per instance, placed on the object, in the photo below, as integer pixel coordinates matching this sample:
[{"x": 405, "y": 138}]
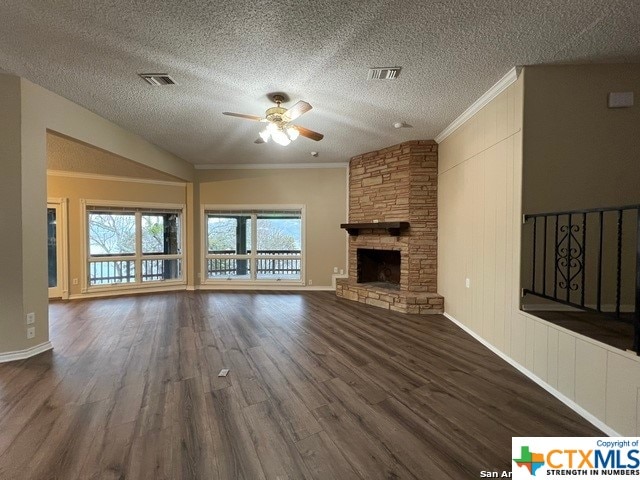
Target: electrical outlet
[
  {"x": 335, "y": 269},
  {"x": 75, "y": 281},
  {"x": 341, "y": 271},
  {"x": 310, "y": 282},
  {"x": 31, "y": 318},
  {"x": 31, "y": 332},
  {"x": 467, "y": 282}
]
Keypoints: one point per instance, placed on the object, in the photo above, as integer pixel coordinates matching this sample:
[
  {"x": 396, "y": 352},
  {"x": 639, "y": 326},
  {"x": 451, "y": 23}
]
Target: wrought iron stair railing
[{"x": 587, "y": 259}]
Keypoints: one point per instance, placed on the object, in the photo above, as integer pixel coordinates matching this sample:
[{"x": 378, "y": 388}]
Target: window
[
  {"x": 133, "y": 245},
  {"x": 254, "y": 245}
]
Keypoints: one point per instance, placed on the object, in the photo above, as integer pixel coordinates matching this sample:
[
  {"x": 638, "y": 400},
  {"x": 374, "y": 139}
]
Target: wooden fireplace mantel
[{"x": 392, "y": 228}]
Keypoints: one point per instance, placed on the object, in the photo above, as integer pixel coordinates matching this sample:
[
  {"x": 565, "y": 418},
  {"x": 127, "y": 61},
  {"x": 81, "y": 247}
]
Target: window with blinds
[
  {"x": 254, "y": 245},
  {"x": 133, "y": 245}
]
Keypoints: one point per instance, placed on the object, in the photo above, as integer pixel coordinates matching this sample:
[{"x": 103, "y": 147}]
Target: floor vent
[
  {"x": 384, "y": 73},
  {"x": 158, "y": 79}
]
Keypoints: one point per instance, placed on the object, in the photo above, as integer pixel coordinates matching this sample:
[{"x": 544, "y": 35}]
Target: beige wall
[
  {"x": 41, "y": 110},
  {"x": 479, "y": 211},
  {"x": 67, "y": 157},
  {"x": 53, "y": 112},
  {"x": 12, "y": 326},
  {"x": 193, "y": 229},
  {"x": 75, "y": 189},
  {"x": 322, "y": 191},
  {"x": 577, "y": 152},
  {"x": 71, "y": 155},
  {"x": 478, "y": 203}
]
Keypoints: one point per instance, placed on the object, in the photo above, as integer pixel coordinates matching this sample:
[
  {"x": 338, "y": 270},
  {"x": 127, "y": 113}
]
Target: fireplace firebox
[{"x": 379, "y": 267}]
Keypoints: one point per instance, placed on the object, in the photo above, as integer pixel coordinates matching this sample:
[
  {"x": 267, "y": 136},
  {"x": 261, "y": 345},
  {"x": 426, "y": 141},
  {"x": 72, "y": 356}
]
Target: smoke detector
[
  {"x": 383, "y": 73},
  {"x": 158, "y": 79}
]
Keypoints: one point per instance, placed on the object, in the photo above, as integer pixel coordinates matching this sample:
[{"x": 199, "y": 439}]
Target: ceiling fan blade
[
  {"x": 295, "y": 111},
  {"x": 259, "y": 140},
  {"x": 305, "y": 132},
  {"x": 243, "y": 115}
]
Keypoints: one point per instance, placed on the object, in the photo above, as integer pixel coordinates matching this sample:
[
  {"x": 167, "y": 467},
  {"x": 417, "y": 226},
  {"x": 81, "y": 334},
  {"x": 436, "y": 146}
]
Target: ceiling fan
[{"x": 278, "y": 119}]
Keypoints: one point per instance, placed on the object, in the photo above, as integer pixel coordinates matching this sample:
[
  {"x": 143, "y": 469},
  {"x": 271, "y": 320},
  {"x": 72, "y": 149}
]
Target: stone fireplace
[{"x": 392, "y": 229}]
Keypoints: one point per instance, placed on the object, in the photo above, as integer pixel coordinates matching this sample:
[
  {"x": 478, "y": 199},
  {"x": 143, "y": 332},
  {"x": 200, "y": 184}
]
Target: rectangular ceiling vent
[
  {"x": 158, "y": 79},
  {"x": 384, "y": 73}
]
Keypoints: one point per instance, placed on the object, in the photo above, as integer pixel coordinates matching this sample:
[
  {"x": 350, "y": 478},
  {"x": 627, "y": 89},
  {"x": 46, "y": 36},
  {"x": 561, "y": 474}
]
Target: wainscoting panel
[{"x": 479, "y": 239}]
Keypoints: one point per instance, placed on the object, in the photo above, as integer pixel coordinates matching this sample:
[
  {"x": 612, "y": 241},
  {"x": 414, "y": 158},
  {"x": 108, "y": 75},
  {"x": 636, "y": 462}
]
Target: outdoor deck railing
[
  {"x": 104, "y": 272},
  {"x": 273, "y": 263}
]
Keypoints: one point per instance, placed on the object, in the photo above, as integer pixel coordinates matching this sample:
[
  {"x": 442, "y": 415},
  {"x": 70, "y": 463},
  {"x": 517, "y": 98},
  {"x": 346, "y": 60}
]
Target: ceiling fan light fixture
[
  {"x": 271, "y": 128},
  {"x": 265, "y": 134},
  {"x": 278, "y": 119},
  {"x": 293, "y": 133},
  {"x": 280, "y": 138}
]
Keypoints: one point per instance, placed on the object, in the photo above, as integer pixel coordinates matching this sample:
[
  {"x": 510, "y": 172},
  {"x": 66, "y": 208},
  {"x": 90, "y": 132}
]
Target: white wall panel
[
  {"x": 480, "y": 197},
  {"x": 591, "y": 377}
]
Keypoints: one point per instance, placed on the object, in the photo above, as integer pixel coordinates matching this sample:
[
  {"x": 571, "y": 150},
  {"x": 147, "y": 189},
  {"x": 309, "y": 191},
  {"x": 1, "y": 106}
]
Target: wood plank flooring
[
  {"x": 319, "y": 388},
  {"x": 604, "y": 328}
]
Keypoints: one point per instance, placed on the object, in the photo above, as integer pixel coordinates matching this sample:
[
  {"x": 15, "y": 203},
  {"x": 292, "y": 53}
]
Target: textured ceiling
[{"x": 228, "y": 55}]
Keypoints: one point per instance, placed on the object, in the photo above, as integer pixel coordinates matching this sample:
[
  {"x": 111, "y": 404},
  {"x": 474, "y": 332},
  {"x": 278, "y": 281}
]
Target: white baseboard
[
  {"x": 26, "y": 353},
  {"x": 127, "y": 291},
  {"x": 291, "y": 288},
  {"x": 595, "y": 421},
  {"x": 219, "y": 287}
]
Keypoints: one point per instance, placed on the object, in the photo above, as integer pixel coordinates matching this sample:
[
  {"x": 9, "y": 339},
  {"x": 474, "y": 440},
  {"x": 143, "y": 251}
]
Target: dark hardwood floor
[
  {"x": 604, "y": 328},
  {"x": 319, "y": 388}
]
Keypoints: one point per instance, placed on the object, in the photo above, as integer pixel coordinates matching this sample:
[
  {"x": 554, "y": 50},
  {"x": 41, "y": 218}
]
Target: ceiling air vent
[
  {"x": 384, "y": 73},
  {"x": 158, "y": 79}
]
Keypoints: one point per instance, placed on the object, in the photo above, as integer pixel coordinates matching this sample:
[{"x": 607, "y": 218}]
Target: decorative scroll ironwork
[
  {"x": 569, "y": 258},
  {"x": 575, "y": 268}
]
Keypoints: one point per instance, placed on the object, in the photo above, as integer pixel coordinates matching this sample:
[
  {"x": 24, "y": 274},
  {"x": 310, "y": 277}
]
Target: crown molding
[
  {"x": 499, "y": 87},
  {"x": 113, "y": 178},
  {"x": 268, "y": 166}
]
